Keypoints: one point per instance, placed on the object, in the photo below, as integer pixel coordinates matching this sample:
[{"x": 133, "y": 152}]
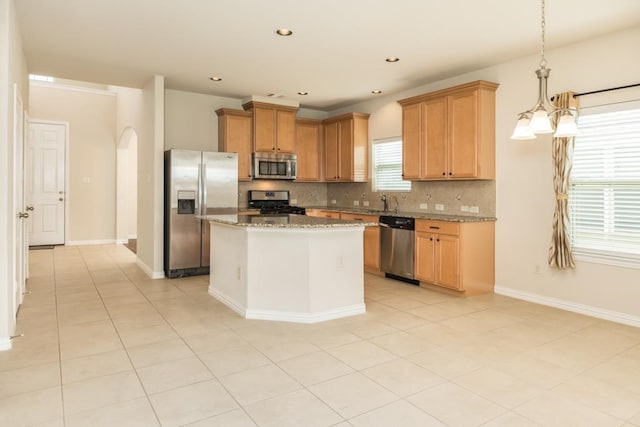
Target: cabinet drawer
[
  {"x": 359, "y": 217},
  {"x": 441, "y": 227}
]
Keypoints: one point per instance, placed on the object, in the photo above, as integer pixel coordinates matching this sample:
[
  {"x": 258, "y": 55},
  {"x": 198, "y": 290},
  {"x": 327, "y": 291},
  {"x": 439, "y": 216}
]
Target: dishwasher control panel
[{"x": 401, "y": 222}]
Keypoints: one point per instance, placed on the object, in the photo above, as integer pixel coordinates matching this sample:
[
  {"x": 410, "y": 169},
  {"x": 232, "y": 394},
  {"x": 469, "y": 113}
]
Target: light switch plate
[
  {"x": 294, "y": 201},
  {"x": 424, "y": 206},
  {"x": 439, "y": 207},
  {"x": 86, "y": 180},
  {"x": 333, "y": 201},
  {"x": 474, "y": 209},
  {"x": 464, "y": 208},
  {"x": 365, "y": 203},
  {"x": 356, "y": 203}
]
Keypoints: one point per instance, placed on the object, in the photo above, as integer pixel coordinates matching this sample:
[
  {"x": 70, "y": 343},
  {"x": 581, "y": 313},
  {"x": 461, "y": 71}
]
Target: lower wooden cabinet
[
  {"x": 323, "y": 214},
  {"x": 371, "y": 240},
  {"x": 456, "y": 255}
]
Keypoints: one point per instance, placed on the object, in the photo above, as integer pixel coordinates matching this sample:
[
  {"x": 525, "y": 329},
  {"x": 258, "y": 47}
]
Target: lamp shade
[
  {"x": 523, "y": 129},
  {"x": 540, "y": 122},
  {"x": 567, "y": 126}
]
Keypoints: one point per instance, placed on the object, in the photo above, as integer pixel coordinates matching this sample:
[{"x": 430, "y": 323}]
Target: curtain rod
[{"x": 575, "y": 95}]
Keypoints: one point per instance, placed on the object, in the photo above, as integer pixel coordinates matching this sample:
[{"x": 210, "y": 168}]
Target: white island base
[{"x": 303, "y": 275}]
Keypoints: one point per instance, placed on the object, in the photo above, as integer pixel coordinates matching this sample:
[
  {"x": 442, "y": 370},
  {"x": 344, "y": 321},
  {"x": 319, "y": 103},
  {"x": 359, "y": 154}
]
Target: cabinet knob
[
  {"x": 450, "y": 173},
  {"x": 431, "y": 238},
  {"x": 437, "y": 240},
  {"x": 443, "y": 173}
]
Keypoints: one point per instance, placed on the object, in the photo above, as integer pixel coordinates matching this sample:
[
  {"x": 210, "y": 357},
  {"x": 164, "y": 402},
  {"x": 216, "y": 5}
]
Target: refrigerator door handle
[{"x": 203, "y": 188}]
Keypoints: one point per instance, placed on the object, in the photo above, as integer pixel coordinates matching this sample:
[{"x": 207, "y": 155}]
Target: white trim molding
[
  {"x": 149, "y": 271},
  {"x": 315, "y": 317},
  {"x": 600, "y": 313},
  {"x": 5, "y": 343},
  {"x": 91, "y": 242}
]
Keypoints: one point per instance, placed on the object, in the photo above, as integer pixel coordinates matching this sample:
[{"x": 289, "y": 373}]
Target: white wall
[
  {"x": 13, "y": 70},
  {"x": 150, "y": 179},
  {"x": 191, "y": 122},
  {"x": 91, "y": 115}
]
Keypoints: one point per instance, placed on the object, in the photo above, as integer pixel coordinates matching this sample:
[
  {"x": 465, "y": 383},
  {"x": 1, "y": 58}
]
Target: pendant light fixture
[{"x": 537, "y": 120}]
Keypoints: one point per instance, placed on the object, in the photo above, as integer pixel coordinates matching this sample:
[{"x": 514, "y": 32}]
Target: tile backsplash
[{"x": 455, "y": 197}]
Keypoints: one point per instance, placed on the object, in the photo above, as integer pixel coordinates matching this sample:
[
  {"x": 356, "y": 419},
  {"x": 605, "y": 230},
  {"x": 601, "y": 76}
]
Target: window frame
[
  {"x": 374, "y": 170},
  {"x": 593, "y": 255}
]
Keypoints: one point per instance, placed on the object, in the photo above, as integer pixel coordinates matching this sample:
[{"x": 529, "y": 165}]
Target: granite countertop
[
  {"x": 416, "y": 215},
  {"x": 284, "y": 221}
]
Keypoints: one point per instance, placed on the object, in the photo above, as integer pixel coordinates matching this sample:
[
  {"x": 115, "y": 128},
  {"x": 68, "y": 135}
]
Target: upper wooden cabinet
[
  {"x": 346, "y": 143},
  {"x": 308, "y": 147},
  {"x": 274, "y": 127},
  {"x": 234, "y": 135},
  {"x": 450, "y": 134}
]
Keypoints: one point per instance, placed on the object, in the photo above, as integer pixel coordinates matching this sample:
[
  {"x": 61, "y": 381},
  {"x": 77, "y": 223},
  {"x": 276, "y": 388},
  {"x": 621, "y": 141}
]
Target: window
[
  {"x": 387, "y": 166},
  {"x": 604, "y": 199}
]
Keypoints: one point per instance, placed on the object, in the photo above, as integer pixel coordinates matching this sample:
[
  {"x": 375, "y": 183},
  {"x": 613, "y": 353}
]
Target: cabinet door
[
  {"x": 448, "y": 261},
  {"x": 372, "y": 247},
  {"x": 264, "y": 129},
  {"x": 285, "y": 131},
  {"x": 308, "y": 148},
  {"x": 345, "y": 150},
  {"x": 331, "y": 152},
  {"x": 425, "y": 252},
  {"x": 463, "y": 135},
  {"x": 412, "y": 141},
  {"x": 435, "y": 139},
  {"x": 236, "y": 138}
]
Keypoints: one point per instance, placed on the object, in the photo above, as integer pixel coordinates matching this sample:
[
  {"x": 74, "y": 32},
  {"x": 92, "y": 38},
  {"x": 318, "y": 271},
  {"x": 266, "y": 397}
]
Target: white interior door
[
  {"x": 25, "y": 191},
  {"x": 18, "y": 200},
  {"x": 46, "y": 164}
]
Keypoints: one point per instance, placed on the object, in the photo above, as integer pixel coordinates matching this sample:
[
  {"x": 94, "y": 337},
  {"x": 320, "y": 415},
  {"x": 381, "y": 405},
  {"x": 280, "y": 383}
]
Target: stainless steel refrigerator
[{"x": 196, "y": 183}]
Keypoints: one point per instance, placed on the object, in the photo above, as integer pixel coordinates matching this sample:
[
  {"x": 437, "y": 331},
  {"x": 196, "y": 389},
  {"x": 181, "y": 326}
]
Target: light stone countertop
[
  {"x": 284, "y": 221},
  {"x": 416, "y": 215}
]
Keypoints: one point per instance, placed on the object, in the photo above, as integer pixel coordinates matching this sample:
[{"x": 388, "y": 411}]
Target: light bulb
[{"x": 567, "y": 126}]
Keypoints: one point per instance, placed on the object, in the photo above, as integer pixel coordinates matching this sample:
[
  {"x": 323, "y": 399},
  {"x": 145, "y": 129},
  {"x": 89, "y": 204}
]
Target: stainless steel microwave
[{"x": 274, "y": 166}]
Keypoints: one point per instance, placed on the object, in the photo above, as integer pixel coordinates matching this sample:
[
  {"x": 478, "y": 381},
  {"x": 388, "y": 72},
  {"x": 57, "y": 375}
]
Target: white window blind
[
  {"x": 604, "y": 199},
  {"x": 387, "y": 166}
]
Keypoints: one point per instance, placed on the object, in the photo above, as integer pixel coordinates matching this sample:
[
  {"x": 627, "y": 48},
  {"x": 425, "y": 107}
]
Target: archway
[{"x": 127, "y": 186}]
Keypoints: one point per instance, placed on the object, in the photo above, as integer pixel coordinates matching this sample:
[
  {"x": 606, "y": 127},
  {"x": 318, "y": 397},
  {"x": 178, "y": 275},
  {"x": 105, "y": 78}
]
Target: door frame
[
  {"x": 18, "y": 205},
  {"x": 67, "y": 193}
]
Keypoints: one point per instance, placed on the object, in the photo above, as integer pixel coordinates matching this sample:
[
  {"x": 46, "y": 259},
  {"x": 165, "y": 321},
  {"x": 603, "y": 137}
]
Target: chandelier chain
[{"x": 543, "y": 60}]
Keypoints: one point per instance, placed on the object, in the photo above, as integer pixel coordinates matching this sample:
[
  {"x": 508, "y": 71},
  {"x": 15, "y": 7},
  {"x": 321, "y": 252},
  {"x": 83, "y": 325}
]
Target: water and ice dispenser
[{"x": 186, "y": 202}]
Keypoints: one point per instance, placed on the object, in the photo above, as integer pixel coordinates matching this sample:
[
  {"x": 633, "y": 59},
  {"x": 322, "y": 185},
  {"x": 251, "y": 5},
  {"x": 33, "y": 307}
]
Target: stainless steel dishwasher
[{"x": 397, "y": 248}]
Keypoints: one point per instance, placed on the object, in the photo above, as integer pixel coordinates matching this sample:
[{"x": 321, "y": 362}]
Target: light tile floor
[{"x": 104, "y": 345}]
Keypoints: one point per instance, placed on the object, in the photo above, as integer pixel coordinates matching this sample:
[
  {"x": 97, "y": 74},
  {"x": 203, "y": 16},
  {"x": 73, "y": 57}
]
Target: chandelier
[{"x": 537, "y": 120}]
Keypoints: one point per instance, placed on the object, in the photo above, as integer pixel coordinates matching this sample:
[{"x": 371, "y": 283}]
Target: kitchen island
[{"x": 290, "y": 268}]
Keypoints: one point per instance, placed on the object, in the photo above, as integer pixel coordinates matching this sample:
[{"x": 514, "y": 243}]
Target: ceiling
[{"x": 336, "y": 53}]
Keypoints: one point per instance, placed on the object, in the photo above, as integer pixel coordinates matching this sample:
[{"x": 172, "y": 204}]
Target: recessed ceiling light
[
  {"x": 392, "y": 59},
  {"x": 215, "y": 79},
  {"x": 303, "y": 93},
  {"x": 285, "y": 32},
  {"x": 376, "y": 92}
]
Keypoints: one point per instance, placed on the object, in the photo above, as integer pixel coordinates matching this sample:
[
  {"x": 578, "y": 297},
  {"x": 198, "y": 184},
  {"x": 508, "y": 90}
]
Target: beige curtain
[{"x": 560, "y": 251}]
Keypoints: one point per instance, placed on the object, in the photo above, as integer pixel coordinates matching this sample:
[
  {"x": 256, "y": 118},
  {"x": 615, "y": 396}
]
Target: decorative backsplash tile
[{"x": 455, "y": 197}]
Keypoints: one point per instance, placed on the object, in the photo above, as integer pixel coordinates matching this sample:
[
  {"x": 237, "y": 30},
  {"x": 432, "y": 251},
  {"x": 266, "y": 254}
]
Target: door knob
[
  {"x": 29, "y": 208},
  {"x": 60, "y": 192},
  {"x": 23, "y": 215},
  {"x": 61, "y": 199}
]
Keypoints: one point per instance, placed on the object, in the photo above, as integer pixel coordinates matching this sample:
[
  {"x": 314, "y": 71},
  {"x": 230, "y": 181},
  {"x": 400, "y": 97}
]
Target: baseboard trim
[
  {"x": 149, "y": 271},
  {"x": 296, "y": 317},
  {"x": 242, "y": 311},
  {"x": 122, "y": 241},
  {"x": 90, "y": 242},
  {"x": 5, "y": 343},
  {"x": 600, "y": 313},
  {"x": 132, "y": 236}
]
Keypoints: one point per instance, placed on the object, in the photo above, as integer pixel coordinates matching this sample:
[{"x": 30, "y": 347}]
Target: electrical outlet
[
  {"x": 424, "y": 206},
  {"x": 340, "y": 262},
  {"x": 239, "y": 273},
  {"x": 365, "y": 203},
  {"x": 294, "y": 201},
  {"x": 464, "y": 208},
  {"x": 333, "y": 201},
  {"x": 439, "y": 207},
  {"x": 356, "y": 203},
  {"x": 474, "y": 209},
  {"x": 86, "y": 180}
]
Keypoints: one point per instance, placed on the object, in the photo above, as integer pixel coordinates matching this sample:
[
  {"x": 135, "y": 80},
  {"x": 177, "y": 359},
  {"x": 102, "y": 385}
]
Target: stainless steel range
[{"x": 273, "y": 202}]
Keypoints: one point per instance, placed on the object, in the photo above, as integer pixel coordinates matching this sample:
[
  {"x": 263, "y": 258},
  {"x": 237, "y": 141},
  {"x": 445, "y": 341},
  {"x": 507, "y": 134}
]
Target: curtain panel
[{"x": 560, "y": 255}]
